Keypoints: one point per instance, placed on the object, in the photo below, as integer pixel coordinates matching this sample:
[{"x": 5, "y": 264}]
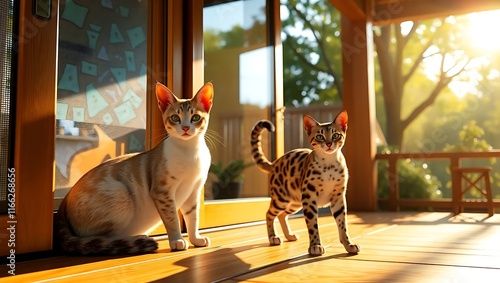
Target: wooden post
[{"x": 359, "y": 101}]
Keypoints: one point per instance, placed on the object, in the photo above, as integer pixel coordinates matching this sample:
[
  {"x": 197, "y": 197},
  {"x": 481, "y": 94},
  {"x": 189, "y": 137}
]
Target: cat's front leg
[
  {"x": 165, "y": 204},
  {"x": 191, "y": 212},
  {"x": 339, "y": 213},
  {"x": 311, "y": 217}
]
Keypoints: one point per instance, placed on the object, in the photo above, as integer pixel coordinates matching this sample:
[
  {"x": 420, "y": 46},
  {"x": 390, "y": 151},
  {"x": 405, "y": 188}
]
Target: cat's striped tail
[
  {"x": 256, "y": 142},
  {"x": 98, "y": 245}
]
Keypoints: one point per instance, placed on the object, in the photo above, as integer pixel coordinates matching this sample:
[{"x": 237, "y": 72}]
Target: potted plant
[{"x": 228, "y": 183}]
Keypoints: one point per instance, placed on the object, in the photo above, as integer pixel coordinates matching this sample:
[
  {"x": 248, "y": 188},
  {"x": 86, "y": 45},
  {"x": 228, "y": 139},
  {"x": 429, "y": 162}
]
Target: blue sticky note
[
  {"x": 107, "y": 4},
  {"x": 124, "y": 11},
  {"x": 69, "y": 79},
  {"x": 95, "y": 101},
  {"x": 120, "y": 76},
  {"x": 131, "y": 96},
  {"x": 130, "y": 57},
  {"x": 74, "y": 13},
  {"x": 62, "y": 111},
  {"x": 89, "y": 68},
  {"x": 103, "y": 54},
  {"x": 142, "y": 77},
  {"x": 125, "y": 113},
  {"x": 107, "y": 119},
  {"x": 115, "y": 36},
  {"x": 134, "y": 145},
  {"x": 136, "y": 36},
  {"x": 92, "y": 36},
  {"x": 78, "y": 114}
]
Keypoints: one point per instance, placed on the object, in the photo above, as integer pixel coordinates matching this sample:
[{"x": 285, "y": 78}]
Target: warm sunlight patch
[{"x": 482, "y": 30}]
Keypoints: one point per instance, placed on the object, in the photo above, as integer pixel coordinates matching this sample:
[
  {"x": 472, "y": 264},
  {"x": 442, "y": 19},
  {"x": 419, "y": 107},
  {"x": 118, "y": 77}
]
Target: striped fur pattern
[
  {"x": 113, "y": 207},
  {"x": 308, "y": 179}
]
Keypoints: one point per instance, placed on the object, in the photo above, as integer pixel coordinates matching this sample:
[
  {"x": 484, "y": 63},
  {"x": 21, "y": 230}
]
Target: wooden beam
[
  {"x": 359, "y": 101},
  {"x": 389, "y": 11},
  {"x": 352, "y": 9}
]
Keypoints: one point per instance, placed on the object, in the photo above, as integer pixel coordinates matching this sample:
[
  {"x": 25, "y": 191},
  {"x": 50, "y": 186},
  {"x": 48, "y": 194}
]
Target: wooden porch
[{"x": 396, "y": 247}]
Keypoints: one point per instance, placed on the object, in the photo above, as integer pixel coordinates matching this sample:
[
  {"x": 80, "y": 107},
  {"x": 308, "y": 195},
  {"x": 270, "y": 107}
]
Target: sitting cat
[
  {"x": 308, "y": 179},
  {"x": 112, "y": 208}
]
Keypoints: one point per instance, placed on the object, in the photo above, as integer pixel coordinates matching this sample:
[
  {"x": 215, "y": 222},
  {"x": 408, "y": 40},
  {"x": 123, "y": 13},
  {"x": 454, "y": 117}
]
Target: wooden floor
[{"x": 396, "y": 247}]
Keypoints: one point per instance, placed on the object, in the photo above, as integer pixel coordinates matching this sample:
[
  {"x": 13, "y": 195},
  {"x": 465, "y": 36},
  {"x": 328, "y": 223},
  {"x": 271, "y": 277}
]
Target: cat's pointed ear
[
  {"x": 205, "y": 96},
  {"x": 309, "y": 123},
  {"x": 164, "y": 96},
  {"x": 341, "y": 120}
]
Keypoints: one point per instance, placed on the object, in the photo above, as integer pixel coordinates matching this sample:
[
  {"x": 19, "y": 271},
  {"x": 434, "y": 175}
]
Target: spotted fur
[
  {"x": 307, "y": 179},
  {"x": 112, "y": 208}
]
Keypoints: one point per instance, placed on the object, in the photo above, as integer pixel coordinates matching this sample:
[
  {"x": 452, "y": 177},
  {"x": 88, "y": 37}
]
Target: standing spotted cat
[
  {"x": 307, "y": 179},
  {"x": 112, "y": 208}
]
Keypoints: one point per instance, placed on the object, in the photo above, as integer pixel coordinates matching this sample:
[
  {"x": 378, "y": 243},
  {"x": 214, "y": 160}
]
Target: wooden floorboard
[{"x": 396, "y": 247}]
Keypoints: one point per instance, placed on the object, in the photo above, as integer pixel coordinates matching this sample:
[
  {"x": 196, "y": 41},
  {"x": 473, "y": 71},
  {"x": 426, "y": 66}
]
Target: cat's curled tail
[
  {"x": 99, "y": 245},
  {"x": 256, "y": 142}
]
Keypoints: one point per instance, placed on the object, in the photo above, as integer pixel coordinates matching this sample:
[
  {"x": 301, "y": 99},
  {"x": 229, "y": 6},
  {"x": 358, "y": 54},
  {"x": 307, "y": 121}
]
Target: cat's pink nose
[
  {"x": 329, "y": 144},
  {"x": 185, "y": 128}
]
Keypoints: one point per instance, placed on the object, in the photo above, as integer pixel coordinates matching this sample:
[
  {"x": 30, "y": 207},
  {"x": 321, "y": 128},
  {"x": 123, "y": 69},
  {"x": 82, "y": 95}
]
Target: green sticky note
[
  {"x": 69, "y": 79},
  {"x": 107, "y": 119},
  {"x": 136, "y": 36},
  {"x": 125, "y": 113},
  {"x": 78, "y": 114},
  {"x": 95, "y": 27},
  {"x": 131, "y": 96},
  {"x": 62, "y": 111},
  {"x": 130, "y": 57},
  {"x": 120, "y": 76},
  {"x": 95, "y": 101},
  {"x": 92, "y": 36},
  {"x": 142, "y": 77},
  {"x": 74, "y": 13},
  {"x": 134, "y": 145},
  {"x": 115, "y": 36},
  {"x": 124, "y": 11},
  {"x": 89, "y": 68}
]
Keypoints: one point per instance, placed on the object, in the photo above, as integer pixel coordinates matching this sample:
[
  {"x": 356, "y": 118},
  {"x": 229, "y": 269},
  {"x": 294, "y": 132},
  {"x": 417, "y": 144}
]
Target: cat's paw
[
  {"x": 201, "y": 242},
  {"x": 316, "y": 250},
  {"x": 274, "y": 241},
  {"x": 292, "y": 237},
  {"x": 179, "y": 245},
  {"x": 353, "y": 248}
]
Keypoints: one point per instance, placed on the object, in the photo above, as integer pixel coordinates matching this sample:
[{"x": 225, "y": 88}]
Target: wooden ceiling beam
[{"x": 352, "y": 9}]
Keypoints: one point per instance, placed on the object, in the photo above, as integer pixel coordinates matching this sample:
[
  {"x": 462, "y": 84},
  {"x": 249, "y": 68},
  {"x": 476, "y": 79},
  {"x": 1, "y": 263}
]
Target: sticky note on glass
[
  {"x": 131, "y": 96},
  {"x": 134, "y": 145},
  {"x": 107, "y": 4},
  {"x": 115, "y": 36},
  {"x": 95, "y": 27},
  {"x": 92, "y": 36},
  {"x": 69, "y": 79},
  {"x": 125, "y": 113},
  {"x": 89, "y": 68},
  {"x": 120, "y": 76},
  {"x": 103, "y": 54},
  {"x": 124, "y": 11},
  {"x": 107, "y": 119},
  {"x": 62, "y": 111},
  {"x": 130, "y": 57},
  {"x": 78, "y": 114},
  {"x": 95, "y": 102},
  {"x": 142, "y": 77},
  {"x": 74, "y": 13},
  {"x": 136, "y": 36}
]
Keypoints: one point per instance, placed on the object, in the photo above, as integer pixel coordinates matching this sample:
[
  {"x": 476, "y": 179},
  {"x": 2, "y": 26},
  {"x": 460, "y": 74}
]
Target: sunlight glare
[{"x": 482, "y": 30}]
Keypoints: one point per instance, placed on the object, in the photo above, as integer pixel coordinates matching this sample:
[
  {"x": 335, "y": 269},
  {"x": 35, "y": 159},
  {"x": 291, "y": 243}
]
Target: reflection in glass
[{"x": 239, "y": 62}]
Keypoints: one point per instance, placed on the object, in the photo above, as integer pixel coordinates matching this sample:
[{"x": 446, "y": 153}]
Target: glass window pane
[
  {"x": 239, "y": 62},
  {"x": 101, "y": 87}
]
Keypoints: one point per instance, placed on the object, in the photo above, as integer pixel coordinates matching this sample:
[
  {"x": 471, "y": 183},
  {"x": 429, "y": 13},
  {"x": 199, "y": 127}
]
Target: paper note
[
  {"x": 103, "y": 54},
  {"x": 130, "y": 57},
  {"x": 115, "y": 36},
  {"x": 131, "y": 96},
  {"x": 69, "y": 79},
  {"x": 92, "y": 36},
  {"x": 124, "y": 11},
  {"x": 142, "y": 77},
  {"x": 134, "y": 145},
  {"x": 78, "y": 114},
  {"x": 89, "y": 68},
  {"x": 120, "y": 76},
  {"x": 74, "y": 13},
  {"x": 107, "y": 119},
  {"x": 107, "y": 4},
  {"x": 125, "y": 113},
  {"x": 95, "y": 27},
  {"x": 62, "y": 111},
  {"x": 136, "y": 36},
  {"x": 111, "y": 93},
  {"x": 95, "y": 101}
]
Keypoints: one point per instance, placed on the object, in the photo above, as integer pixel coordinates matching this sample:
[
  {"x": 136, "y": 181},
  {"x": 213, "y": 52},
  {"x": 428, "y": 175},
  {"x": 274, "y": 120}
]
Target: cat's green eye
[
  {"x": 320, "y": 138},
  {"x": 175, "y": 118},
  {"x": 195, "y": 118},
  {"x": 336, "y": 136}
]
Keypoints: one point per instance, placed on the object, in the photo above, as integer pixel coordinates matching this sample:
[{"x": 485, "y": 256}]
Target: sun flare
[{"x": 482, "y": 30}]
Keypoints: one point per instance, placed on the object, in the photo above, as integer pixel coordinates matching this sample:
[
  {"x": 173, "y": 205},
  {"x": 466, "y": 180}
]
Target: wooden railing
[{"x": 394, "y": 202}]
